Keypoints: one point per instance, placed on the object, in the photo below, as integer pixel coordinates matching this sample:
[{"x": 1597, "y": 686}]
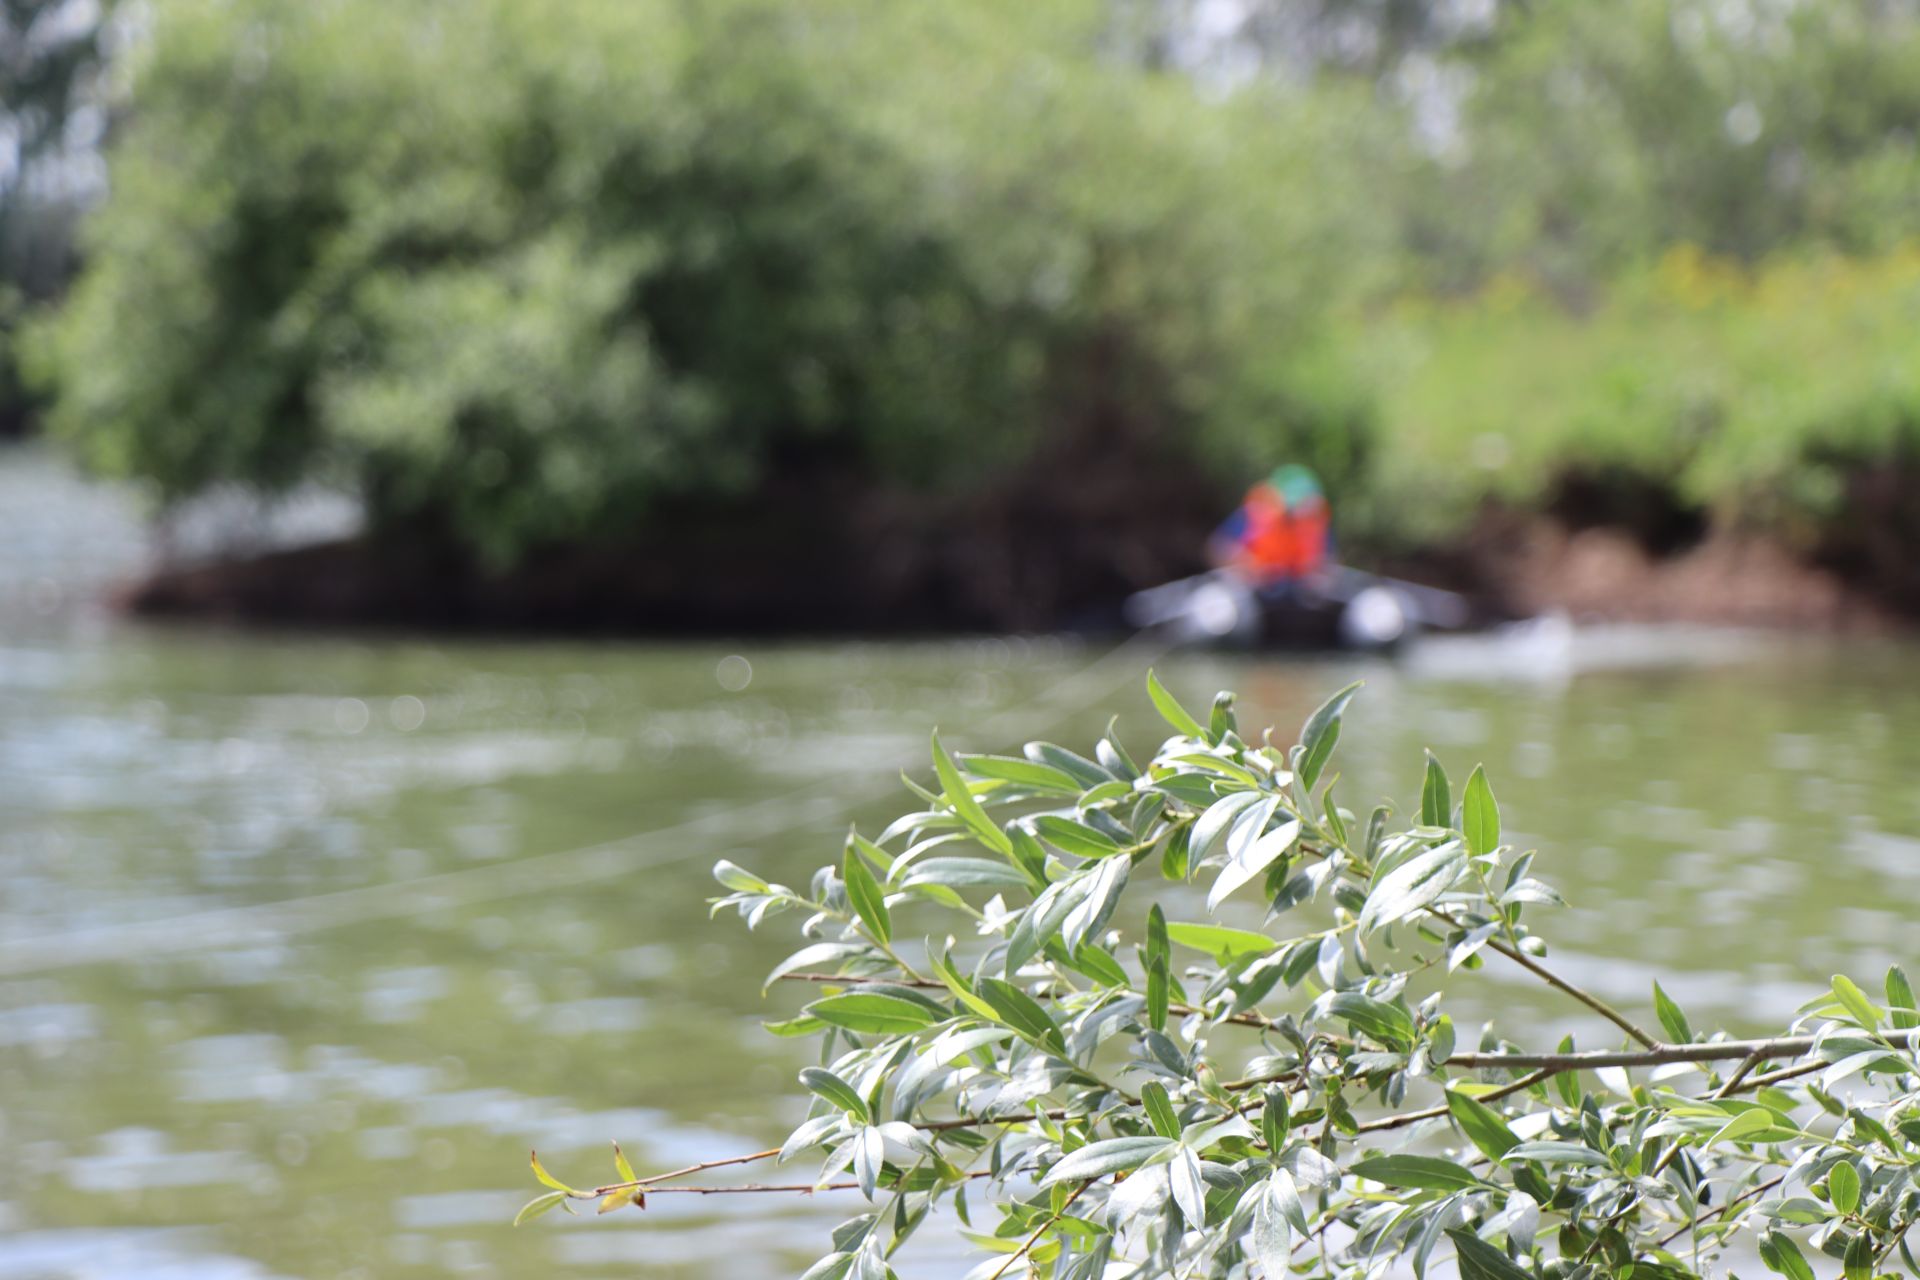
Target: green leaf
[
  {"x": 1159, "y": 1108},
  {"x": 537, "y": 1206},
  {"x": 1254, "y": 856},
  {"x": 820, "y": 953},
  {"x": 1440, "y": 1039},
  {"x": 1783, "y": 1256},
  {"x": 1422, "y": 1173},
  {"x": 1387, "y": 1023},
  {"x": 1030, "y": 857},
  {"x": 1272, "y": 1236},
  {"x": 1042, "y": 920},
  {"x": 1170, "y": 709},
  {"x": 877, "y": 858},
  {"x": 1025, "y": 773},
  {"x": 1484, "y": 1126},
  {"x": 835, "y": 1266},
  {"x": 1213, "y": 825},
  {"x": 1097, "y": 1159},
  {"x": 964, "y": 873},
  {"x": 738, "y": 878},
  {"x": 1320, "y": 733},
  {"x": 1219, "y": 941},
  {"x": 621, "y": 1165},
  {"x": 1335, "y": 825},
  {"x": 1158, "y": 999},
  {"x": 1744, "y": 1126},
  {"x": 1023, "y": 1013},
  {"x": 1221, "y": 720},
  {"x": 1678, "y": 1029},
  {"x": 834, "y": 1090},
  {"x": 1189, "y": 1186},
  {"x": 1157, "y": 949},
  {"x": 1436, "y": 799},
  {"x": 872, "y": 1013},
  {"x": 1068, "y": 762},
  {"x": 1857, "y": 1262},
  {"x": 1482, "y": 1261},
  {"x": 954, "y": 788},
  {"x": 1858, "y": 1007},
  {"x": 1556, "y": 1153},
  {"x": 546, "y": 1179},
  {"x": 863, "y": 891},
  {"x": 792, "y": 1028},
  {"x": 1843, "y": 1186},
  {"x": 1275, "y": 1118},
  {"x": 1413, "y": 885},
  {"x": 1073, "y": 837},
  {"x": 1479, "y": 815},
  {"x": 1900, "y": 999},
  {"x": 962, "y": 990}
]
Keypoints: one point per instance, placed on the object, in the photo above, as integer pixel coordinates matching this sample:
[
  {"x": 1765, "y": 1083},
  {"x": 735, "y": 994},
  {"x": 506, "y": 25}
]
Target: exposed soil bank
[
  {"x": 1058, "y": 547},
  {"x": 1534, "y": 564},
  {"x": 1099, "y": 513},
  {"x": 1031, "y": 566}
]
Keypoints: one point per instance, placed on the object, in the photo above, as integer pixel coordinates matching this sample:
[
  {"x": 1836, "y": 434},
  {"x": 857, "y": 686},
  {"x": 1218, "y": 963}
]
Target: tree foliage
[
  {"x": 1093, "y": 1089},
  {"x": 518, "y": 273}
]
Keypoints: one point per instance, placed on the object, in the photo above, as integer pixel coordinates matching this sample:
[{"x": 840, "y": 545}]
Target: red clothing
[{"x": 1273, "y": 542}]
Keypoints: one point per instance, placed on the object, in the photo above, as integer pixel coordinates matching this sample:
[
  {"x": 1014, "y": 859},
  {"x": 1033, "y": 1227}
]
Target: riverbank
[
  {"x": 822, "y": 581},
  {"x": 823, "y": 557}
]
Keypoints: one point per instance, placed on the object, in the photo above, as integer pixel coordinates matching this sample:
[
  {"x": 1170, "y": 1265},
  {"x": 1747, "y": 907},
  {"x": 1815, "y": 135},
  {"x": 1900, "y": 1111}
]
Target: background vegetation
[{"x": 522, "y": 276}]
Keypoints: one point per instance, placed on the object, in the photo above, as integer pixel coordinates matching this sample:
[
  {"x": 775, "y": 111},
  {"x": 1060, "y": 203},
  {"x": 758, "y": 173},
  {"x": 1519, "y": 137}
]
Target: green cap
[{"x": 1295, "y": 483}]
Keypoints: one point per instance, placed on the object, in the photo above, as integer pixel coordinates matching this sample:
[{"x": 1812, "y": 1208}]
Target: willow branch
[
  {"x": 702, "y": 1167},
  {"x": 1585, "y": 997},
  {"x": 1239, "y": 1019},
  {"x": 1405, "y": 1118},
  {"x": 1039, "y": 1231},
  {"x": 1723, "y": 1210},
  {"x": 1786, "y": 1048},
  {"x": 1746, "y": 1066},
  {"x": 760, "y": 1188},
  {"x": 649, "y": 1183}
]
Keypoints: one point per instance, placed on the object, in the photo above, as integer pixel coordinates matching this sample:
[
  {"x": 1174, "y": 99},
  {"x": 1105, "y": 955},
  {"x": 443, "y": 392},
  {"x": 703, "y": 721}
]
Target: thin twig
[
  {"x": 754, "y": 1188},
  {"x": 702, "y": 1167},
  {"x": 1783, "y": 1047},
  {"x": 1784, "y": 1073},
  {"x": 1585, "y": 997},
  {"x": 1240, "y": 1019},
  {"x": 1406, "y": 1118},
  {"x": 1747, "y": 1064},
  {"x": 1039, "y": 1231},
  {"x": 1723, "y": 1210},
  {"x": 649, "y": 1182}
]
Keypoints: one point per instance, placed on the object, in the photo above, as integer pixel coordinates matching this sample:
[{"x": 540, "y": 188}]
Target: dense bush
[
  {"x": 518, "y": 272},
  {"x": 1096, "y": 1090},
  {"x": 1752, "y": 395}
]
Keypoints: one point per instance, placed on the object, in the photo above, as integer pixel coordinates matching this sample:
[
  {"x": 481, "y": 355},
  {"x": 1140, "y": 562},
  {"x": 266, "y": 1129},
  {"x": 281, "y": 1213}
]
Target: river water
[{"x": 304, "y": 940}]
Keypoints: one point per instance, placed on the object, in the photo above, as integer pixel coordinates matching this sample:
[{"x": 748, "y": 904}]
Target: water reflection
[{"x": 304, "y": 942}]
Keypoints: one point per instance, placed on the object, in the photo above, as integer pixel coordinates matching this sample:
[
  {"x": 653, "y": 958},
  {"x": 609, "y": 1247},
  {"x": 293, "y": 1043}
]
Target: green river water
[{"x": 305, "y": 940}]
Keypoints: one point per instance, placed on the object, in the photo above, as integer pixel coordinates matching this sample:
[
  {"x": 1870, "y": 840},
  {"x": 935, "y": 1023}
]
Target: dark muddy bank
[{"x": 1058, "y": 547}]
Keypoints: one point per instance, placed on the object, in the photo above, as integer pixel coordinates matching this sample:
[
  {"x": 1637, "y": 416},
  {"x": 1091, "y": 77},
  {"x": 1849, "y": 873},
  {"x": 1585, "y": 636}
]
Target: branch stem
[
  {"x": 1039, "y": 1231},
  {"x": 762, "y": 1188},
  {"x": 1783, "y": 1047},
  {"x": 1584, "y": 996}
]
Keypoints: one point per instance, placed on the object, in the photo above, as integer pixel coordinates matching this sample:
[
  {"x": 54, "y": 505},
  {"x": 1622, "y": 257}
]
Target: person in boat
[{"x": 1278, "y": 538}]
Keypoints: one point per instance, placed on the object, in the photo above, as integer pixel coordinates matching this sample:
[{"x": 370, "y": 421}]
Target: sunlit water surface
[{"x": 305, "y": 940}]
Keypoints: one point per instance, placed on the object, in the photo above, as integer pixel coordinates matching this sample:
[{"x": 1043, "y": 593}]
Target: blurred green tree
[{"x": 519, "y": 274}]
